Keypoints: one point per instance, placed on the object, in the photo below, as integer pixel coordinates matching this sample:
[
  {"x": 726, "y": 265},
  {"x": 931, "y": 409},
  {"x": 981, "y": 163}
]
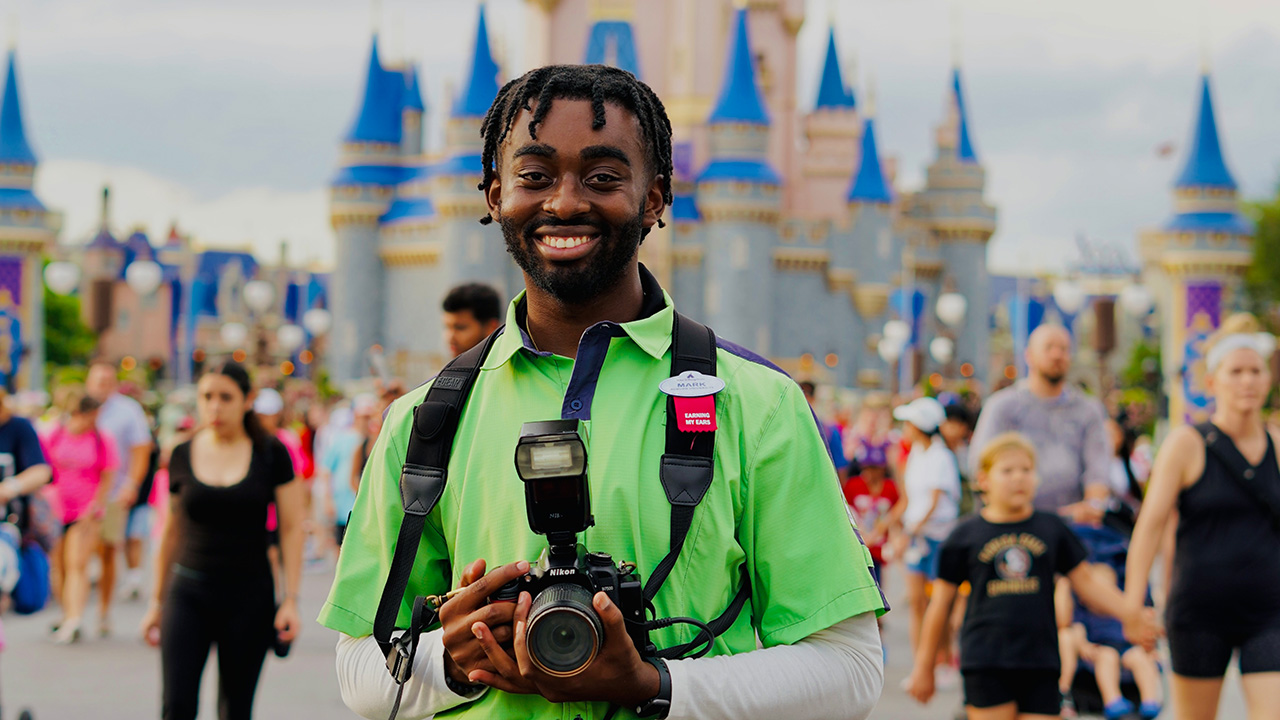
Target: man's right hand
[{"x": 462, "y": 651}]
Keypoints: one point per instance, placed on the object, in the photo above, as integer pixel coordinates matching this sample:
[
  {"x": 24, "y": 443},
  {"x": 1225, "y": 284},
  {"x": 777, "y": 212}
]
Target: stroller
[{"x": 1109, "y": 547}]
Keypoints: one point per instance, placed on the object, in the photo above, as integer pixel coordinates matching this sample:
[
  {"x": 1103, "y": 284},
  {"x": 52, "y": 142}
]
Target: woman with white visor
[{"x": 1220, "y": 479}]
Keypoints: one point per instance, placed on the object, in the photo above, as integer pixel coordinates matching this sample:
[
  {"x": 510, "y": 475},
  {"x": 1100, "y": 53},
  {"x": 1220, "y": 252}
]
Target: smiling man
[{"x": 577, "y": 172}]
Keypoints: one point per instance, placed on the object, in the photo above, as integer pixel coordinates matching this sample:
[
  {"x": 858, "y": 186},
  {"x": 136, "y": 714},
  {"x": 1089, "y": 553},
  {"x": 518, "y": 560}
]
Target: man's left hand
[{"x": 618, "y": 675}]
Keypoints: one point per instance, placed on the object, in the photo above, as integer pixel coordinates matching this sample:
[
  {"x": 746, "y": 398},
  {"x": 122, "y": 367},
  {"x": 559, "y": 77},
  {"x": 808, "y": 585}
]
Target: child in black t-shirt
[{"x": 1010, "y": 553}]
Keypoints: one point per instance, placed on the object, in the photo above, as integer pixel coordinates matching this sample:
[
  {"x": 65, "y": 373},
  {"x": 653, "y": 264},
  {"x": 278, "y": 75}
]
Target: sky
[{"x": 225, "y": 116}]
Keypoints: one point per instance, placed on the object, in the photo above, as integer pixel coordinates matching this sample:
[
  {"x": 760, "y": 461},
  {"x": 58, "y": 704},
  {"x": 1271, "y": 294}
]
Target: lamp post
[
  {"x": 317, "y": 322},
  {"x": 259, "y": 296},
  {"x": 952, "y": 309},
  {"x": 62, "y": 277}
]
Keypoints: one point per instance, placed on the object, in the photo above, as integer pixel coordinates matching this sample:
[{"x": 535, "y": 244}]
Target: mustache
[{"x": 539, "y": 223}]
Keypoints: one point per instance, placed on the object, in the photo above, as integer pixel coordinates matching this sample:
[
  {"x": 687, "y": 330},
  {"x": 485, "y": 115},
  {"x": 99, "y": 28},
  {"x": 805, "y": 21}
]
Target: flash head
[{"x": 551, "y": 459}]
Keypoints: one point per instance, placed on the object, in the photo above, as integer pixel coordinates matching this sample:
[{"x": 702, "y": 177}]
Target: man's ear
[
  {"x": 493, "y": 198},
  {"x": 654, "y": 204}
]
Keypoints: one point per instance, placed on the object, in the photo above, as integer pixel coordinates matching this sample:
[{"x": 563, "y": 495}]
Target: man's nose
[{"x": 567, "y": 199}]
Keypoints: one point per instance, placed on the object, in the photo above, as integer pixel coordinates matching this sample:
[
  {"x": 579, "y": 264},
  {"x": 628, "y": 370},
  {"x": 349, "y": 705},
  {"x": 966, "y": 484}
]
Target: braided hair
[{"x": 597, "y": 83}]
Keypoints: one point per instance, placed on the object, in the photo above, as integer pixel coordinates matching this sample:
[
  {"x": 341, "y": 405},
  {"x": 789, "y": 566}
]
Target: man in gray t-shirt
[{"x": 1067, "y": 428}]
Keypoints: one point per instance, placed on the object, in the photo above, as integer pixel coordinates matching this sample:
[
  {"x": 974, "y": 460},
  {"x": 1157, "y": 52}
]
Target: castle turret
[
  {"x": 412, "y": 110},
  {"x": 832, "y": 131},
  {"x": 361, "y": 193},
  {"x": 27, "y": 231},
  {"x": 950, "y": 214},
  {"x": 471, "y": 251},
  {"x": 738, "y": 195},
  {"x": 1196, "y": 263}
]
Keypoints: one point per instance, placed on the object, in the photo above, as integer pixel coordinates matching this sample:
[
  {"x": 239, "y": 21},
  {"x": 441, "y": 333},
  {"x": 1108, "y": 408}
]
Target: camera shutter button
[{"x": 599, "y": 559}]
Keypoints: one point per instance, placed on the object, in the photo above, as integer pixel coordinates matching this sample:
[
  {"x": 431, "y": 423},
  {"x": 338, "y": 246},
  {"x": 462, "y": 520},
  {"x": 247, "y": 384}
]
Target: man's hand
[
  {"x": 618, "y": 675},
  {"x": 463, "y": 653},
  {"x": 1083, "y": 513}
]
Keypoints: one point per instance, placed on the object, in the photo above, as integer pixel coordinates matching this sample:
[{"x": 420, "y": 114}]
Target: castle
[{"x": 786, "y": 235}]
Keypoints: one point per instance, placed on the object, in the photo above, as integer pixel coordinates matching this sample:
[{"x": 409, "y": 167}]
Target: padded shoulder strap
[
  {"x": 422, "y": 479},
  {"x": 686, "y": 470}
]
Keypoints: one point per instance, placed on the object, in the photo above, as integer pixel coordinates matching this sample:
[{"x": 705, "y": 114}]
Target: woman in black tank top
[
  {"x": 1223, "y": 479},
  {"x": 213, "y": 581}
]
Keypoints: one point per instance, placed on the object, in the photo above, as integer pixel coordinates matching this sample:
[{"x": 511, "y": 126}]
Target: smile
[{"x": 565, "y": 243}]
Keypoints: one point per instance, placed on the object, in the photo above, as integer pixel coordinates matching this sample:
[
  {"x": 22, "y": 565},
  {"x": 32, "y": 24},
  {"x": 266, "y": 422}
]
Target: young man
[
  {"x": 577, "y": 171},
  {"x": 126, "y": 522},
  {"x": 470, "y": 313}
]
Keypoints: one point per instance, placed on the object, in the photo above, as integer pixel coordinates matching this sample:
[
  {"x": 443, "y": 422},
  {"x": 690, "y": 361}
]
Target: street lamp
[
  {"x": 942, "y": 349},
  {"x": 897, "y": 331},
  {"x": 259, "y": 295},
  {"x": 143, "y": 277},
  {"x": 62, "y": 277},
  {"x": 317, "y": 321},
  {"x": 1068, "y": 296},
  {"x": 1136, "y": 300},
  {"x": 290, "y": 337},
  {"x": 233, "y": 334},
  {"x": 951, "y": 309}
]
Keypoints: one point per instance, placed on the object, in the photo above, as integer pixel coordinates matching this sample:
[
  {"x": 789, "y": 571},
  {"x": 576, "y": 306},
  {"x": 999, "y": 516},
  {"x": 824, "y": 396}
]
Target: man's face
[
  {"x": 462, "y": 331},
  {"x": 573, "y": 204},
  {"x": 101, "y": 382},
  {"x": 1049, "y": 354}
]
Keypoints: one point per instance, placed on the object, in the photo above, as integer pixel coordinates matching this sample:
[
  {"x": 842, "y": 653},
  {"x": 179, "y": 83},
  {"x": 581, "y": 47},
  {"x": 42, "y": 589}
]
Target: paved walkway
[{"x": 118, "y": 678}]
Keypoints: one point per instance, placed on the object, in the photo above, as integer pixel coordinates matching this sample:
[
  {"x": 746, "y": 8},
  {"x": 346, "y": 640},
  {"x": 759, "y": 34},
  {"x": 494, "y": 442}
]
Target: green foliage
[
  {"x": 67, "y": 340},
  {"x": 1262, "y": 280},
  {"x": 1143, "y": 369}
]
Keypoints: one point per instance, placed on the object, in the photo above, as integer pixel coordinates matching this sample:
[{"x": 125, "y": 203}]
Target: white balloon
[
  {"x": 234, "y": 334},
  {"x": 942, "y": 349},
  {"x": 290, "y": 337},
  {"x": 952, "y": 308},
  {"x": 1136, "y": 300},
  {"x": 259, "y": 295},
  {"x": 1068, "y": 296},
  {"x": 889, "y": 350},
  {"x": 62, "y": 277},
  {"x": 143, "y": 276},
  {"x": 317, "y": 321},
  {"x": 897, "y": 331}
]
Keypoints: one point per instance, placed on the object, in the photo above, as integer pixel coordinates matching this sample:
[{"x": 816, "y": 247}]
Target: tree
[
  {"x": 1262, "y": 280},
  {"x": 67, "y": 340}
]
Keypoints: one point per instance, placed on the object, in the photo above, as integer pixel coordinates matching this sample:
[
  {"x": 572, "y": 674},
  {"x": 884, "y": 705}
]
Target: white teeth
[{"x": 565, "y": 243}]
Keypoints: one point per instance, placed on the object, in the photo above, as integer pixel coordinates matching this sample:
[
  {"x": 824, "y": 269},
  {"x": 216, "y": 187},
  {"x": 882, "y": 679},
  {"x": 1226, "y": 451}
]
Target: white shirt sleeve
[
  {"x": 369, "y": 691},
  {"x": 833, "y": 673}
]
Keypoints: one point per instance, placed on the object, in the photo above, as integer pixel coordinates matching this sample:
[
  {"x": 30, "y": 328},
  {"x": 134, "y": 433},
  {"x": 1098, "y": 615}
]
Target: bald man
[{"x": 1067, "y": 428}]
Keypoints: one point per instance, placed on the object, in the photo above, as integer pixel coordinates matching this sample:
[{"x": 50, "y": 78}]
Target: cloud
[{"x": 254, "y": 218}]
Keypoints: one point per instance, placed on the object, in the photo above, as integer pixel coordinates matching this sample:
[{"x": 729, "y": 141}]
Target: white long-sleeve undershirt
[{"x": 834, "y": 673}]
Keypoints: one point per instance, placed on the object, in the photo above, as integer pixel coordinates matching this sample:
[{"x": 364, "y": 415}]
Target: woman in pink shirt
[{"x": 83, "y": 461}]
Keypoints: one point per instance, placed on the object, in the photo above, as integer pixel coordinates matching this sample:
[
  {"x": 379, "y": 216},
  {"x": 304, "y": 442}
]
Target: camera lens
[{"x": 564, "y": 632}]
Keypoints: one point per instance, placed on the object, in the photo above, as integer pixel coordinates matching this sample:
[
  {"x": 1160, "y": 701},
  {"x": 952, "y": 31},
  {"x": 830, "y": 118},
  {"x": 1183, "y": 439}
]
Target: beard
[
  {"x": 615, "y": 250},
  {"x": 1054, "y": 377}
]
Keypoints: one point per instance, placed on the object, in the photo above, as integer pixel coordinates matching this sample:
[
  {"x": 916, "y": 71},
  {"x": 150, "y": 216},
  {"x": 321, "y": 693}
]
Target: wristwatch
[{"x": 659, "y": 705}]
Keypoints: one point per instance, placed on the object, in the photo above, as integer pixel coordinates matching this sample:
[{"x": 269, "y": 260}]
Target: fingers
[
  {"x": 485, "y": 586},
  {"x": 520, "y": 622},
  {"x": 472, "y": 572},
  {"x": 615, "y": 626},
  {"x": 507, "y": 673}
]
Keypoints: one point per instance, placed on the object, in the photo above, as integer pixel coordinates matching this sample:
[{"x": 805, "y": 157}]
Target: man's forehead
[{"x": 621, "y": 125}]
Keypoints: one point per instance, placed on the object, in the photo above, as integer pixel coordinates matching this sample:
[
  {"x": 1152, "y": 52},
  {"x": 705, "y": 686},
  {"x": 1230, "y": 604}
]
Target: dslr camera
[{"x": 564, "y": 633}]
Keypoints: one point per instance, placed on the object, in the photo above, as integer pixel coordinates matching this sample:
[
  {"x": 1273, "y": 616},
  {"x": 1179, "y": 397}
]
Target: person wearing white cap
[
  {"x": 930, "y": 502},
  {"x": 268, "y": 405}
]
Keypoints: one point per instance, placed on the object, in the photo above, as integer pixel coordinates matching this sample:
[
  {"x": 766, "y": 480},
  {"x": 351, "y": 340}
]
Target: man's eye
[
  {"x": 604, "y": 177},
  {"x": 534, "y": 176}
]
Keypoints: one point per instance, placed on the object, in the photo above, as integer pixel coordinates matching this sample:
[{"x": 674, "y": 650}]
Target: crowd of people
[{"x": 1026, "y": 524}]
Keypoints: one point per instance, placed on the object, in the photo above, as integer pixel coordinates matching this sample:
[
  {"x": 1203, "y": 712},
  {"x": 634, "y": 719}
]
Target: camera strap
[
  {"x": 426, "y": 466},
  {"x": 686, "y": 473}
]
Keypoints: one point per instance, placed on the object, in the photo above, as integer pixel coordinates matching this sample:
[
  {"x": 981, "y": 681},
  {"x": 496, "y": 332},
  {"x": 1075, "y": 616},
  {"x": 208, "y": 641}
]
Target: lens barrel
[{"x": 564, "y": 632}]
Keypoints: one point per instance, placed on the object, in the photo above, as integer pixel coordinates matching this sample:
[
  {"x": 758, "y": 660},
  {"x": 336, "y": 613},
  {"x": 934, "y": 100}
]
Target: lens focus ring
[{"x": 564, "y": 632}]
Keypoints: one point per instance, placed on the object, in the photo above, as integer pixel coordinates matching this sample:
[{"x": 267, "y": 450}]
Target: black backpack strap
[
  {"x": 686, "y": 468},
  {"x": 1218, "y": 444},
  {"x": 422, "y": 481}
]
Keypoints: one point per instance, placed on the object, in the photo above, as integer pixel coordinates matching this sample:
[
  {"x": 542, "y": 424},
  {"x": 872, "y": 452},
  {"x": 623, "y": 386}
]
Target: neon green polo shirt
[{"x": 774, "y": 504}]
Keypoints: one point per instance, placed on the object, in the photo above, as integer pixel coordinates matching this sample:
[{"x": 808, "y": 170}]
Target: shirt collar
[{"x": 651, "y": 331}]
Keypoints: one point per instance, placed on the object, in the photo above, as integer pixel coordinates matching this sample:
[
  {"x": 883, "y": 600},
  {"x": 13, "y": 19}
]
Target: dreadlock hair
[{"x": 597, "y": 83}]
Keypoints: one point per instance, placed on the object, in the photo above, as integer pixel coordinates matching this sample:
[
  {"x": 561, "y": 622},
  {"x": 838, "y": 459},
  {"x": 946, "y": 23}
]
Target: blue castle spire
[
  {"x": 964, "y": 146},
  {"x": 832, "y": 92},
  {"x": 869, "y": 185},
  {"x": 412, "y": 91},
  {"x": 1205, "y": 165},
  {"x": 14, "y": 147},
  {"x": 378, "y": 120},
  {"x": 740, "y": 99},
  {"x": 618, "y": 36},
  {"x": 482, "y": 82}
]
